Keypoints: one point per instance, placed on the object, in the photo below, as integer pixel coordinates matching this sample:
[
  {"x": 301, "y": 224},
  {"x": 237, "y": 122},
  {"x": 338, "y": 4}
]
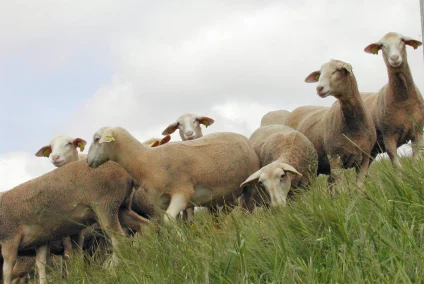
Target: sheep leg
[
  {"x": 390, "y": 143},
  {"x": 109, "y": 222},
  {"x": 417, "y": 144},
  {"x": 130, "y": 219},
  {"x": 9, "y": 251},
  {"x": 41, "y": 258},
  {"x": 362, "y": 172},
  {"x": 188, "y": 215},
  {"x": 67, "y": 247},
  {"x": 336, "y": 166},
  {"x": 178, "y": 203}
]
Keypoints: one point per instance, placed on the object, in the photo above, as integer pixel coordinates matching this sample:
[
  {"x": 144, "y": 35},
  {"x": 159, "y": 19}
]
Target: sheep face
[
  {"x": 63, "y": 150},
  {"x": 276, "y": 179},
  {"x": 189, "y": 126},
  {"x": 331, "y": 78},
  {"x": 393, "y": 47},
  {"x": 99, "y": 152}
]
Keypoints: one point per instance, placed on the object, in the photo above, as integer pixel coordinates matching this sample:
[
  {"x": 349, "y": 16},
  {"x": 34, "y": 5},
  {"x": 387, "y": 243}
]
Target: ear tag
[
  {"x": 414, "y": 44},
  {"x": 206, "y": 123},
  {"x": 151, "y": 144},
  {"x": 317, "y": 77},
  {"x": 81, "y": 146},
  {"x": 374, "y": 50},
  {"x": 109, "y": 138},
  {"x": 46, "y": 153}
]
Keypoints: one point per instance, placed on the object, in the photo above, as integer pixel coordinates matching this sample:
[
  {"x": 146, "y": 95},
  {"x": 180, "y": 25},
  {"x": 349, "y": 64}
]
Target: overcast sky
[{"x": 71, "y": 67}]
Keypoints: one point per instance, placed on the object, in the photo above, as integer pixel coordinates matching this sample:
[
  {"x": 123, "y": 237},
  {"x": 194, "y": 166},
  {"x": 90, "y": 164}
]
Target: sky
[{"x": 71, "y": 67}]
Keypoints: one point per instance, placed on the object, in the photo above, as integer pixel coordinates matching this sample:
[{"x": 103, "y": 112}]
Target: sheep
[
  {"x": 343, "y": 134},
  {"x": 189, "y": 128},
  {"x": 206, "y": 171},
  {"x": 63, "y": 150},
  {"x": 275, "y": 117},
  {"x": 61, "y": 203},
  {"x": 287, "y": 159},
  {"x": 398, "y": 108}
]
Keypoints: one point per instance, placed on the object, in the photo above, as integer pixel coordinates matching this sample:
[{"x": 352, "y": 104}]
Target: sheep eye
[
  {"x": 283, "y": 175},
  {"x": 260, "y": 183},
  {"x": 96, "y": 140},
  {"x": 69, "y": 144}
]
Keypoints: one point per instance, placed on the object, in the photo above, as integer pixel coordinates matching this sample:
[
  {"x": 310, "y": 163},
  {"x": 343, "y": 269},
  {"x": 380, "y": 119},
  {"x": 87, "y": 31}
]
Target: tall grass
[{"x": 352, "y": 237}]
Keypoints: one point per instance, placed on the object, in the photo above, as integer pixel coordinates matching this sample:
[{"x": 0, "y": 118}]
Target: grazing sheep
[
  {"x": 287, "y": 159},
  {"x": 206, "y": 171},
  {"x": 343, "y": 134},
  {"x": 61, "y": 203},
  {"x": 398, "y": 108},
  {"x": 275, "y": 117}
]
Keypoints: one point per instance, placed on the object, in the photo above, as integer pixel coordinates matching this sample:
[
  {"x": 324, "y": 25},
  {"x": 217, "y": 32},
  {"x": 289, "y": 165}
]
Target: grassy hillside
[{"x": 348, "y": 238}]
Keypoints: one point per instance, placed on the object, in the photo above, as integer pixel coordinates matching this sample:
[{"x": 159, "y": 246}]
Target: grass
[{"x": 347, "y": 238}]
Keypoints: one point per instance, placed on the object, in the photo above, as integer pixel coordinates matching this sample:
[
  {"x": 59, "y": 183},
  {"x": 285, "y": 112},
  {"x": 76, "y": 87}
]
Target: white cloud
[{"x": 19, "y": 167}]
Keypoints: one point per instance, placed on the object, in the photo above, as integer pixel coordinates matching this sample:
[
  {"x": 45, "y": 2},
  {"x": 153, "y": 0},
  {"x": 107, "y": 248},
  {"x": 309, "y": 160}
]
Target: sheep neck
[
  {"x": 401, "y": 84},
  {"x": 133, "y": 156},
  {"x": 352, "y": 107}
]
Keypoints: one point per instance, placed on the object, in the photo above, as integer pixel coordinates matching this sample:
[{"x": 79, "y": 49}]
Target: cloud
[
  {"x": 19, "y": 167},
  {"x": 231, "y": 60}
]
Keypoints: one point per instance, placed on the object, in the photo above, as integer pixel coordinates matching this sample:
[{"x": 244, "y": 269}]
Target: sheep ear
[
  {"x": 44, "y": 152},
  {"x": 347, "y": 67},
  {"x": 253, "y": 177},
  {"x": 313, "y": 77},
  {"x": 78, "y": 142},
  {"x": 170, "y": 129},
  {"x": 154, "y": 143},
  {"x": 107, "y": 137},
  {"x": 373, "y": 48},
  {"x": 165, "y": 139},
  {"x": 287, "y": 168},
  {"x": 206, "y": 121},
  {"x": 412, "y": 42}
]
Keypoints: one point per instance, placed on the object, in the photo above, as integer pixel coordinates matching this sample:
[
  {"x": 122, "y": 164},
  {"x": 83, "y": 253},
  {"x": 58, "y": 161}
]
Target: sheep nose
[
  {"x": 319, "y": 89},
  {"x": 55, "y": 157},
  {"x": 189, "y": 133},
  {"x": 394, "y": 57}
]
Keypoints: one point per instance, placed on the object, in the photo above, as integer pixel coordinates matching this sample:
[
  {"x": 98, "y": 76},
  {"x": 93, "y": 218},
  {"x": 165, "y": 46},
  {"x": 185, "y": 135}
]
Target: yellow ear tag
[
  {"x": 109, "y": 138},
  {"x": 374, "y": 50},
  {"x": 414, "y": 44},
  {"x": 151, "y": 144},
  {"x": 206, "y": 123},
  {"x": 46, "y": 153},
  {"x": 317, "y": 77},
  {"x": 81, "y": 146}
]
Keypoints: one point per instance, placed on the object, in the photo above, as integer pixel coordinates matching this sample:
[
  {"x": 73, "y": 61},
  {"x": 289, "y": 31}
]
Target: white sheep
[
  {"x": 343, "y": 134},
  {"x": 61, "y": 203},
  {"x": 189, "y": 127},
  {"x": 398, "y": 108},
  {"x": 63, "y": 150},
  {"x": 287, "y": 158},
  {"x": 275, "y": 117},
  {"x": 206, "y": 171}
]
